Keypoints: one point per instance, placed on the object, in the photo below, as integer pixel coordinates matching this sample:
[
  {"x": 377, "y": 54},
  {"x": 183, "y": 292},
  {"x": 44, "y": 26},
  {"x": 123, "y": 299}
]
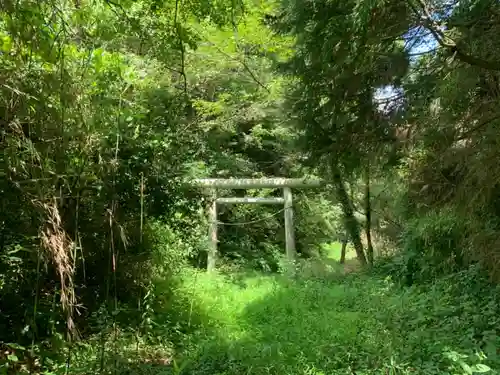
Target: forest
[{"x": 110, "y": 109}]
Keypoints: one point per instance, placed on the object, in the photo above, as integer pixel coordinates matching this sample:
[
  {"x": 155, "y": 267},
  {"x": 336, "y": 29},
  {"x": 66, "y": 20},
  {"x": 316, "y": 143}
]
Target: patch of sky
[{"x": 418, "y": 41}]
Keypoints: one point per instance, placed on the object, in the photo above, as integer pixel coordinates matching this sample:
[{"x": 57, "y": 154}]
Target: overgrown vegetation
[
  {"x": 360, "y": 324},
  {"x": 108, "y": 109}
]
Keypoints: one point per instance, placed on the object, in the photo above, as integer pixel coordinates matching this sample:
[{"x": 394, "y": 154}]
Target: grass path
[
  {"x": 257, "y": 324},
  {"x": 324, "y": 322}
]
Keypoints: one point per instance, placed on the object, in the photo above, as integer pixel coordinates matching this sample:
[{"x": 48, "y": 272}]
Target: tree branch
[
  {"x": 482, "y": 124},
  {"x": 445, "y": 42},
  {"x": 475, "y": 61},
  {"x": 181, "y": 46},
  {"x": 422, "y": 53},
  {"x": 247, "y": 68}
]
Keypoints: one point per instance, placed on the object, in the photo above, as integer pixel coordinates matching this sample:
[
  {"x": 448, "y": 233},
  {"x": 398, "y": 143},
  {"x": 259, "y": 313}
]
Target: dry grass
[{"x": 58, "y": 246}]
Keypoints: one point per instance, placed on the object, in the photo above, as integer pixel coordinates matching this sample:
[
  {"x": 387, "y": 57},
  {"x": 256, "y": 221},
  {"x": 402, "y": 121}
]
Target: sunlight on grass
[
  {"x": 262, "y": 324},
  {"x": 335, "y": 324},
  {"x": 224, "y": 298},
  {"x": 272, "y": 324},
  {"x": 333, "y": 250}
]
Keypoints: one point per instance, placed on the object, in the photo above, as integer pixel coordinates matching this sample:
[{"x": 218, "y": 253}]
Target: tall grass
[
  {"x": 356, "y": 324},
  {"x": 360, "y": 323}
]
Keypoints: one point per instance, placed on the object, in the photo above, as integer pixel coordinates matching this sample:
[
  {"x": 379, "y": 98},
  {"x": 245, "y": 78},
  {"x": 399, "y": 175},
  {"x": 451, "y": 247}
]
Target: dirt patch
[{"x": 351, "y": 265}]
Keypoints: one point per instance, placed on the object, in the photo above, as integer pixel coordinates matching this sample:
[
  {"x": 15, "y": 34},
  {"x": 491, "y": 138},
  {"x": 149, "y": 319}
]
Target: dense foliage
[{"x": 108, "y": 109}]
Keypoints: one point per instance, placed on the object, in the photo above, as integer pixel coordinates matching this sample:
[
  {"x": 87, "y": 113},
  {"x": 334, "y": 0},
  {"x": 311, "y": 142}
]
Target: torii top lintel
[{"x": 258, "y": 183}]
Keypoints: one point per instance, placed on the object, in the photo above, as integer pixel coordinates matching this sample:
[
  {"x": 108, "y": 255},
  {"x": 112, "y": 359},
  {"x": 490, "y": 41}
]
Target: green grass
[
  {"x": 333, "y": 250},
  {"x": 258, "y": 324},
  {"x": 252, "y": 323}
]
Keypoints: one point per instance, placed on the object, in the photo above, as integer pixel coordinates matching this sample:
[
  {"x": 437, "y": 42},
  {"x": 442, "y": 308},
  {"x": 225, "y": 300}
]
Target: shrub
[{"x": 432, "y": 245}]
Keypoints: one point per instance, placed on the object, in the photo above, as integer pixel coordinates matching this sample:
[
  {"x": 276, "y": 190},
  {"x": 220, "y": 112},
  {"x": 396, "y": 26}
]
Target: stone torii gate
[{"x": 212, "y": 184}]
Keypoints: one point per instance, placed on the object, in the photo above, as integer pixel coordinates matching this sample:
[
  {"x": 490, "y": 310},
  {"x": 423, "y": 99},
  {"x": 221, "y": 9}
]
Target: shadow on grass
[
  {"x": 171, "y": 322},
  {"x": 303, "y": 326},
  {"x": 347, "y": 324},
  {"x": 334, "y": 324}
]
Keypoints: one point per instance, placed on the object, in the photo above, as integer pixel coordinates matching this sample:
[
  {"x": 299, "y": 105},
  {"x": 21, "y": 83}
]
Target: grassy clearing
[
  {"x": 332, "y": 250},
  {"x": 359, "y": 324},
  {"x": 251, "y": 323}
]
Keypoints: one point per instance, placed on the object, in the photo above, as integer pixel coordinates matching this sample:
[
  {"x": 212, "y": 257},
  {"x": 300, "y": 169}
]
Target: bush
[
  {"x": 172, "y": 248},
  {"x": 432, "y": 245}
]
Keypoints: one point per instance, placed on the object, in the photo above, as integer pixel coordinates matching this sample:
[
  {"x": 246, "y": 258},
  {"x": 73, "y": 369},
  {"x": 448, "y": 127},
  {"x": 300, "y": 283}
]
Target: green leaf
[
  {"x": 15, "y": 346},
  {"x": 5, "y": 43},
  {"x": 466, "y": 368},
  {"x": 480, "y": 368},
  {"x": 12, "y": 358}
]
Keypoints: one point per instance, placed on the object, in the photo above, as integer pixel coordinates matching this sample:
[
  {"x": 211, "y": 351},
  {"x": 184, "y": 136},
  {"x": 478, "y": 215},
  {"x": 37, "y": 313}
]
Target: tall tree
[{"x": 345, "y": 51}]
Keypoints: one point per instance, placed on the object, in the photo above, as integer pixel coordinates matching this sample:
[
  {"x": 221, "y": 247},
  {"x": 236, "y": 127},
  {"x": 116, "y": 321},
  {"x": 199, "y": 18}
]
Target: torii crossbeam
[{"x": 236, "y": 183}]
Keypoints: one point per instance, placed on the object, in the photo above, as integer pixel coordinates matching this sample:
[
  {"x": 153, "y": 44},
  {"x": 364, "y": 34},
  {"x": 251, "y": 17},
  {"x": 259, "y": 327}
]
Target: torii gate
[{"x": 236, "y": 183}]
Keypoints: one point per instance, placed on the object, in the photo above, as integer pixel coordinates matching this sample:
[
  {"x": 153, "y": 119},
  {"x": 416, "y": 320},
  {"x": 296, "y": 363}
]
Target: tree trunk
[
  {"x": 368, "y": 213},
  {"x": 343, "y": 250},
  {"x": 351, "y": 223}
]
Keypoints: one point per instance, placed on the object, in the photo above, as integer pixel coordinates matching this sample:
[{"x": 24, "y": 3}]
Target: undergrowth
[{"x": 254, "y": 323}]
